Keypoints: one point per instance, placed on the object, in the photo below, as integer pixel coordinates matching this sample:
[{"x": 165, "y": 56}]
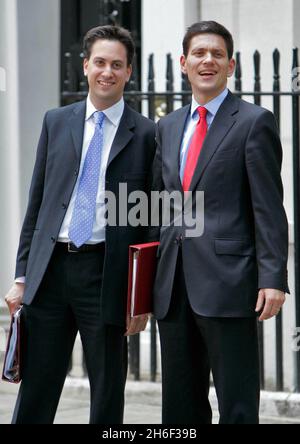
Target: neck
[
  {"x": 203, "y": 97},
  {"x": 103, "y": 104}
]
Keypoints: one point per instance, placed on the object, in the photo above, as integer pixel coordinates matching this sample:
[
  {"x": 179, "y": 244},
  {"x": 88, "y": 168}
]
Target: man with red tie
[{"x": 210, "y": 289}]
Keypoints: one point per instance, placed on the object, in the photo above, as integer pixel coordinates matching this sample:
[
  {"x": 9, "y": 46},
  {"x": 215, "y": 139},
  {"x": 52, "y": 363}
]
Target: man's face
[
  {"x": 107, "y": 72},
  {"x": 207, "y": 65}
]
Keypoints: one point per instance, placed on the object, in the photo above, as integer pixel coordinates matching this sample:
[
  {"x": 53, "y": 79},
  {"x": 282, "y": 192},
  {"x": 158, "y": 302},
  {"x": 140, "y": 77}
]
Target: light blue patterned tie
[{"x": 81, "y": 226}]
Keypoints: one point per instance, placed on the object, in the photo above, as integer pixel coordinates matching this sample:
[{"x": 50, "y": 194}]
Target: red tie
[{"x": 195, "y": 148}]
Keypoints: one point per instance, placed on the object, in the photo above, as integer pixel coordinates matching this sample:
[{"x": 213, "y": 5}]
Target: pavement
[
  {"x": 143, "y": 404},
  {"x": 143, "y": 400}
]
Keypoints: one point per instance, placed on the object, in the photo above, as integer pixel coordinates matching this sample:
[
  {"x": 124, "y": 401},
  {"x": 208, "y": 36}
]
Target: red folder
[{"x": 141, "y": 274}]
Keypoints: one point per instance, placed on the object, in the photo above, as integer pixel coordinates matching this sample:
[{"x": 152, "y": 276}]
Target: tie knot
[
  {"x": 99, "y": 117},
  {"x": 202, "y": 111}
]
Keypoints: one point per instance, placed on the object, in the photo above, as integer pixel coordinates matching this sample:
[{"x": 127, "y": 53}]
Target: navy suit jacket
[
  {"x": 54, "y": 177},
  {"x": 244, "y": 246}
]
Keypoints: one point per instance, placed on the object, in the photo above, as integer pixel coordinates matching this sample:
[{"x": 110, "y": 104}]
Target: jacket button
[
  {"x": 53, "y": 239},
  {"x": 64, "y": 206},
  {"x": 76, "y": 172}
]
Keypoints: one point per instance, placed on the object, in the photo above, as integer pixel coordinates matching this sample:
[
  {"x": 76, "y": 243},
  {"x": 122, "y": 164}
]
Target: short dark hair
[
  {"x": 207, "y": 27},
  {"x": 109, "y": 32}
]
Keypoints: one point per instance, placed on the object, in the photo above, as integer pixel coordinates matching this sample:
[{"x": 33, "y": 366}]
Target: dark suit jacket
[
  {"x": 244, "y": 246},
  {"x": 54, "y": 177}
]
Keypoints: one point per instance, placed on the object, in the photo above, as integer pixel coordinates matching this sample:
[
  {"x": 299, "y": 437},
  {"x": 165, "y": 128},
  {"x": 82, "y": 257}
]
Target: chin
[
  {"x": 207, "y": 88},
  {"x": 106, "y": 98}
]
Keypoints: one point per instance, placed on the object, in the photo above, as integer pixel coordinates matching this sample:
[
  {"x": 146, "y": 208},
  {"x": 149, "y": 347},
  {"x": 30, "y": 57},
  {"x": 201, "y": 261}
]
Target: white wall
[
  {"x": 9, "y": 142},
  {"x": 38, "y": 76},
  {"x": 29, "y": 54}
]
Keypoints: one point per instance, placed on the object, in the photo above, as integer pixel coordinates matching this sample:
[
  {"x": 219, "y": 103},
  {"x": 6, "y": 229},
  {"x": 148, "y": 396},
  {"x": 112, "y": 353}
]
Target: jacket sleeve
[
  {"x": 157, "y": 185},
  {"x": 263, "y": 163},
  {"x": 34, "y": 203}
]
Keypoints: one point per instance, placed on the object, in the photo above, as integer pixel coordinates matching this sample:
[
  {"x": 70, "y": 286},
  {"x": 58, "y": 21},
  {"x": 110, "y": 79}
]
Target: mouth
[
  {"x": 207, "y": 74},
  {"x": 105, "y": 84}
]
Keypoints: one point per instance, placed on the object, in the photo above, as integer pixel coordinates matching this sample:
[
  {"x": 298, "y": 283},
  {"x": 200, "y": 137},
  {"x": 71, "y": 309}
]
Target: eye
[
  {"x": 199, "y": 53},
  {"x": 117, "y": 65}
]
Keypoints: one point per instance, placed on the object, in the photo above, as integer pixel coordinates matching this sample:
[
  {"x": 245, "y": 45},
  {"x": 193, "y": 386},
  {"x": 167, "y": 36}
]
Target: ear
[
  {"x": 129, "y": 72},
  {"x": 183, "y": 64},
  {"x": 85, "y": 66},
  {"x": 231, "y": 67}
]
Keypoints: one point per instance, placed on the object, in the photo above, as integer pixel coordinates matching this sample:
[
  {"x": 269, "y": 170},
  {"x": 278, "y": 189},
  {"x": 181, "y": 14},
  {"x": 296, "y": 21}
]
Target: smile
[
  {"x": 103, "y": 83},
  {"x": 207, "y": 73}
]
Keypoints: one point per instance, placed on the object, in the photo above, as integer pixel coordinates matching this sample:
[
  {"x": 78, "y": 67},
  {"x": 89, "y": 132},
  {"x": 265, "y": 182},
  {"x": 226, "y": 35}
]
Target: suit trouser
[
  {"x": 68, "y": 300},
  {"x": 191, "y": 346}
]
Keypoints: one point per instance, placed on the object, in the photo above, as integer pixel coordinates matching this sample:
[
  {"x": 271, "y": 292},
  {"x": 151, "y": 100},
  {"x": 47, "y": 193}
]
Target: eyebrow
[
  {"x": 204, "y": 48},
  {"x": 103, "y": 59}
]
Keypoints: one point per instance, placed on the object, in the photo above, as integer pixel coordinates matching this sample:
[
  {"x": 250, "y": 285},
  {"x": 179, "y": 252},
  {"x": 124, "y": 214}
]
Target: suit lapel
[
  {"x": 173, "y": 150},
  {"x": 221, "y": 125},
  {"x": 76, "y": 123},
  {"x": 124, "y": 134}
]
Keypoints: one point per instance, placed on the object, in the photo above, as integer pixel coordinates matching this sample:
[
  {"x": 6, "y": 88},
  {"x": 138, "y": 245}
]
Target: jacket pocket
[
  {"x": 236, "y": 247},
  {"x": 228, "y": 153}
]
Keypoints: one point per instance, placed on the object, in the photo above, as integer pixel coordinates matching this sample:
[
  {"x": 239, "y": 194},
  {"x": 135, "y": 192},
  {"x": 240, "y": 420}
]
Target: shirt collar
[
  {"x": 113, "y": 114},
  {"x": 212, "y": 106}
]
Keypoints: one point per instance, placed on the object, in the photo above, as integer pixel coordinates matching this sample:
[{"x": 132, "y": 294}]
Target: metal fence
[{"x": 161, "y": 103}]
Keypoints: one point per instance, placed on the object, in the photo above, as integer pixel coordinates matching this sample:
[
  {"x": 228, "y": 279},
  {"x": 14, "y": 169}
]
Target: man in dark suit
[
  {"x": 74, "y": 265},
  {"x": 209, "y": 289}
]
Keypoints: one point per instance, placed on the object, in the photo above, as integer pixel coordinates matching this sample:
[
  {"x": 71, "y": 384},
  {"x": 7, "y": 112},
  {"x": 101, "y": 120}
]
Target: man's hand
[
  {"x": 271, "y": 301},
  {"x": 14, "y": 297},
  {"x": 136, "y": 324}
]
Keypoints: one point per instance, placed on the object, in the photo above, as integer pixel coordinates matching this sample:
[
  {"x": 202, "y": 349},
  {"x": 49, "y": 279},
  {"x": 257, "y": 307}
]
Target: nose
[
  {"x": 107, "y": 71},
  {"x": 208, "y": 57}
]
